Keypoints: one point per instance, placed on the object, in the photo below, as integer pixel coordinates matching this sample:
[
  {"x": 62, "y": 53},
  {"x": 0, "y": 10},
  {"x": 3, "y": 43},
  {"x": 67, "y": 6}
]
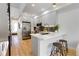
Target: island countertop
[{"x": 47, "y": 36}]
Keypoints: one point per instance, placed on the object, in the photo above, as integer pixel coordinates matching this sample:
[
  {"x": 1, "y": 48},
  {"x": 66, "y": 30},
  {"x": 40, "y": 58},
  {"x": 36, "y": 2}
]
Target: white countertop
[{"x": 47, "y": 36}]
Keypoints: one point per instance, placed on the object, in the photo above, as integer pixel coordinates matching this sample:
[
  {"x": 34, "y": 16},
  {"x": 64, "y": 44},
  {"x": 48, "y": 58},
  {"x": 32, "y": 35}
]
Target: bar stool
[
  {"x": 57, "y": 51},
  {"x": 64, "y": 46}
]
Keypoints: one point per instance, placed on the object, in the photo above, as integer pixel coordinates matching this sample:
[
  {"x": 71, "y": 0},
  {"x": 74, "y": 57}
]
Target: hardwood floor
[
  {"x": 71, "y": 52},
  {"x": 24, "y": 48}
]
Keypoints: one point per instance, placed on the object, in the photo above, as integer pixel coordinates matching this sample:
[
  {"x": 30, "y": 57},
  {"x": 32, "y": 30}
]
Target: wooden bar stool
[
  {"x": 64, "y": 46},
  {"x": 57, "y": 51}
]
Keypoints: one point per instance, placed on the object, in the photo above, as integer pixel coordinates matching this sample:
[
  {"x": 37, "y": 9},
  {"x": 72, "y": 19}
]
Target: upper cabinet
[{"x": 48, "y": 19}]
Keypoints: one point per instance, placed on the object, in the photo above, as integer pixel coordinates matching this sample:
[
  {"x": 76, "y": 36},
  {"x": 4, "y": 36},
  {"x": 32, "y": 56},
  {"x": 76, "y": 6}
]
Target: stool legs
[
  {"x": 57, "y": 51},
  {"x": 64, "y": 46}
]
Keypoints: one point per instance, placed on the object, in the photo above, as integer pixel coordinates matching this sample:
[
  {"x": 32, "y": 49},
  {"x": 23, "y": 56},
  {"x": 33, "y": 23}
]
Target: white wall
[
  {"x": 3, "y": 22},
  {"x": 20, "y": 29},
  {"x": 68, "y": 19},
  {"x": 14, "y": 26},
  {"x": 15, "y": 12}
]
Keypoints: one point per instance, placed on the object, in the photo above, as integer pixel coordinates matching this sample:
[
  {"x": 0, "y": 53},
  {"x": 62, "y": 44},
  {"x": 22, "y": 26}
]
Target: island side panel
[
  {"x": 34, "y": 46},
  {"x": 43, "y": 49}
]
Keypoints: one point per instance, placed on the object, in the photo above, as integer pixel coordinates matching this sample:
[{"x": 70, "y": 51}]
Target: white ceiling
[
  {"x": 19, "y": 6},
  {"x": 36, "y": 10}
]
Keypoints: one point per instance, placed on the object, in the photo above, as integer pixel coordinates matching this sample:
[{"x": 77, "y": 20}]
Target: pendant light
[{"x": 54, "y": 5}]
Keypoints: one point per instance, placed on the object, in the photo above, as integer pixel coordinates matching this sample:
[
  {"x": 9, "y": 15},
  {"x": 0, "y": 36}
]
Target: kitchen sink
[{"x": 44, "y": 33}]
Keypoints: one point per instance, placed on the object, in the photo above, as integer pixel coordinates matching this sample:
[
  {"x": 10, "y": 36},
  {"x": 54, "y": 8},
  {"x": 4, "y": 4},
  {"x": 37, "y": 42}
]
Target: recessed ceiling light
[
  {"x": 54, "y": 5},
  {"x": 33, "y": 5},
  {"x": 45, "y": 12}
]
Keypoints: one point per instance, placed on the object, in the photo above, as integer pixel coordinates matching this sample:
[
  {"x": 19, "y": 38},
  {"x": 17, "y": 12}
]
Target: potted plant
[{"x": 55, "y": 28}]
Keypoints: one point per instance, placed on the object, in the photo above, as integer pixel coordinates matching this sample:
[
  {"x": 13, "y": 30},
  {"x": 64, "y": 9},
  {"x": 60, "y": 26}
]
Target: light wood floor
[{"x": 24, "y": 48}]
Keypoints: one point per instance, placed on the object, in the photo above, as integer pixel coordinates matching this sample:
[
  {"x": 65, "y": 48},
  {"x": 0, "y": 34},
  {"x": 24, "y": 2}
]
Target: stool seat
[
  {"x": 62, "y": 40},
  {"x": 57, "y": 44}
]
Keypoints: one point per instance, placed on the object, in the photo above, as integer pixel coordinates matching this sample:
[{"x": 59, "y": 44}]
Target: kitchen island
[{"x": 41, "y": 42}]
